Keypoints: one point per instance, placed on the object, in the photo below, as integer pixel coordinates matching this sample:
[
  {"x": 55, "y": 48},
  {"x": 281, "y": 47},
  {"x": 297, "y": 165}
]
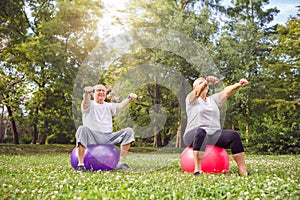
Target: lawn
[{"x": 26, "y": 173}]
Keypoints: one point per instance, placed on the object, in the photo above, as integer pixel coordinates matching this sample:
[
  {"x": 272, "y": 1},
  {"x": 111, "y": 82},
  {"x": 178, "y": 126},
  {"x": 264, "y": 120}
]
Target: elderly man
[{"x": 97, "y": 124}]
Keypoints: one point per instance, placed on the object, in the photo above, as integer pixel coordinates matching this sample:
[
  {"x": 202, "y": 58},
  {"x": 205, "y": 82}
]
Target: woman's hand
[
  {"x": 212, "y": 80},
  {"x": 199, "y": 88},
  {"x": 243, "y": 82}
]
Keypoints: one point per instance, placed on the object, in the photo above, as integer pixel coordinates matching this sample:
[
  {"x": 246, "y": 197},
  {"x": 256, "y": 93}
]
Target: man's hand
[
  {"x": 212, "y": 80},
  {"x": 88, "y": 90},
  {"x": 132, "y": 97}
]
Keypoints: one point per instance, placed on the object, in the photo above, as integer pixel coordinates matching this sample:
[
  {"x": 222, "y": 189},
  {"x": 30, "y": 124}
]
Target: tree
[
  {"x": 242, "y": 51},
  {"x": 277, "y": 128},
  {"x": 12, "y": 87},
  {"x": 48, "y": 45},
  {"x": 13, "y": 31},
  {"x": 160, "y": 19}
]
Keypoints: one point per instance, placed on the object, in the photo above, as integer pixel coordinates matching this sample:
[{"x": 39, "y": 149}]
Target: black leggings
[{"x": 198, "y": 139}]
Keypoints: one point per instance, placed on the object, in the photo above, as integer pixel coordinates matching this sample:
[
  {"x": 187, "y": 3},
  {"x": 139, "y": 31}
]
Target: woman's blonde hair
[{"x": 198, "y": 81}]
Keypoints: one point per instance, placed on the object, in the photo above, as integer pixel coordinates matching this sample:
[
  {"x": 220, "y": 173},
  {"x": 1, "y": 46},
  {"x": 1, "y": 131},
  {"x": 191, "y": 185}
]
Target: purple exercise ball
[{"x": 97, "y": 157}]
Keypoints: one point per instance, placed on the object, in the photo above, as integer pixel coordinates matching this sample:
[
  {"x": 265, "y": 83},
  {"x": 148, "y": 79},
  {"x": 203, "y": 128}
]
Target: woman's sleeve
[{"x": 215, "y": 98}]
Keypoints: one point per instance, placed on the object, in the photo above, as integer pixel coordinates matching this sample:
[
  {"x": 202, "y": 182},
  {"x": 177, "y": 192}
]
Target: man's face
[{"x": 100, "y": 93}]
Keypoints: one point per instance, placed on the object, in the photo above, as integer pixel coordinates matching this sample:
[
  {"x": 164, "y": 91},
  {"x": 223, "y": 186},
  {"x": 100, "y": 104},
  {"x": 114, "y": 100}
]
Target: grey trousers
[{"x": 86, "y": 136}]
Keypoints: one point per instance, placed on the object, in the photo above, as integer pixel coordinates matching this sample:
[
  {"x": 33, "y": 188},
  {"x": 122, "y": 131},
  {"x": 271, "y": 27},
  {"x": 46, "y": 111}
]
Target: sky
[{"x": 286, "y": 7}]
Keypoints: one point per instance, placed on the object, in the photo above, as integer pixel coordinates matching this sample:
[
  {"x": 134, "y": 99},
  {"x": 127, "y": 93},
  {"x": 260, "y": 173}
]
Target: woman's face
[
  {"x": 205, "y": 91},
  {"x": 199, "y": 81}
]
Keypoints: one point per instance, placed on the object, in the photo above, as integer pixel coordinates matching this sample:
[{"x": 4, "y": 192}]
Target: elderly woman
[{"x": 204, "y": 126}]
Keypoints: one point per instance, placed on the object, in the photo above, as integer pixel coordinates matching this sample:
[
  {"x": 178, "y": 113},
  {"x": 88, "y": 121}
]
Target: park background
[{"x": 45, "y": 43}]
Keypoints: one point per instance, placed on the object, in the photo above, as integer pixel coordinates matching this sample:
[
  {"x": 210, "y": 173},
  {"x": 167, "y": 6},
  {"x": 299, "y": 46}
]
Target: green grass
[{"x": 154, "y": 175}]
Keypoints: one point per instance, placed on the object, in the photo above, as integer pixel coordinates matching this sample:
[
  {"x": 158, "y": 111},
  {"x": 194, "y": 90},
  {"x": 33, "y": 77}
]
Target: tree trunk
[
  {"x": 6, "y": 127},
  {"x": 44, "y": 134},
  {"x": 232, "y": 125},
  {"x": 13, "y": 125},
  {"x": 181, "y": 123},
  {"x": 43, "y": 138},
  {"x": 157, "y": 137},
  {"x": 158, "y": 140},
  {"x": 247, "y": 133},
  {"x": 35, "y": 129},
  {"x": 166, "y": 140},
  {"x": 247, "y": 125},
  {"x": 34, "y": 134},
  {"x": 154, "y": 137},
  {"x": 178, "y": 135},
  {"x": 2, "y": 124}
]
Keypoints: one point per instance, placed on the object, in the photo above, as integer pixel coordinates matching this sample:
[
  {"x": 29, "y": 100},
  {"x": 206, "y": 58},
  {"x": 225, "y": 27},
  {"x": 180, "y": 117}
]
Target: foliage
[
  {"x": 157, "y": 100},
  {"x": 58, "y": 138},
  {"x": 248, "y": 48},
  {"x": 275, "y": 115},
  {"x": 25, "y": 139},
  {"x": 45, "y": 44},
  {"x": 49, "y": 176},
  {"x": 274, "y": 135},
  {"x": 241, "y": 53}
]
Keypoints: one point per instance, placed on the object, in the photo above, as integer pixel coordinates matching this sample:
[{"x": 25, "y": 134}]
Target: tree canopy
[{"x": 50, "y": 50}]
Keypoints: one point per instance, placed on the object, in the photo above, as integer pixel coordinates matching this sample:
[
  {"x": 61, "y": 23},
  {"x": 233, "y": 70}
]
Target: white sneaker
[{"x": 122, "y": 166}]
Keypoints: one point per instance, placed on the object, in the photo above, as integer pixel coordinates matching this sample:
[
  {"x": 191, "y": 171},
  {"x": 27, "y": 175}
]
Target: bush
[
  {"x": 8, "y": 139},
  {"x": 58, "y": 138},
  {"x": 25, "y": 140},
  {"x": 275, "y": 136}
]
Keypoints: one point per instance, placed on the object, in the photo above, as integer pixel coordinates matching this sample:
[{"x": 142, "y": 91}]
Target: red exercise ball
[{"x": 215, "y": 160}]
